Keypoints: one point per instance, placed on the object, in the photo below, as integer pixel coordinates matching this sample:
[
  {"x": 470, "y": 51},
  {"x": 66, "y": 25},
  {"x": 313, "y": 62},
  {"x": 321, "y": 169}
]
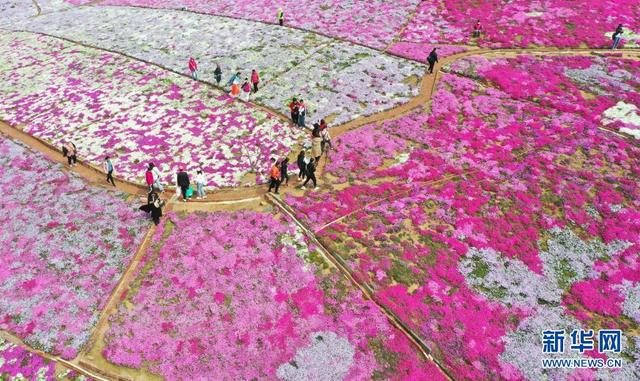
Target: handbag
[{"x": 189, "y": 192}]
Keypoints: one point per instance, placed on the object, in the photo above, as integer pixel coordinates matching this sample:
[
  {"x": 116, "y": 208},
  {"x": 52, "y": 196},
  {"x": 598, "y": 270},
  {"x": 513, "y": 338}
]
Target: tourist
[
  {"x": 193, "y": 68},
  {"x": 149, "y": 177},
  {"x": 326, "y": 138},
  {"x": 274, "y": 180},
  {"x": 301, "y": 165},
  {"x": 200, "y": 183},
  {"x": 157, "y": 183},
  {"x": 183, "y": 182},
  {"x": 255, "y": 79},
  {"x": 432, "y": 59},
  {"x": 280, "y": 17},
  {"x": 617, "y": 35},
  {"x": 217, "y": 74},
  {"x": 293, "y": 106},
  {"x": 108, "y": 168},
  {"x": 316, "y": 143},
  {"x": 302, "y": 112},
  {"x": 70, "y": 152},
  {"x": 155, "y": 205},
  {"x": 477, "y": 29},
  {"x": 284, "y": 171},
  {"x": 234, "y": 79},
  {"x": 311, "y": 174},
  {"x": 246, "y": 89}
]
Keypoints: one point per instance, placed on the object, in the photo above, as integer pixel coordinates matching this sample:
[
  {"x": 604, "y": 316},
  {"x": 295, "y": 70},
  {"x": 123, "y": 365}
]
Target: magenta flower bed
[
  {"x": 240, "y": 295},
  {"x": 523, "y": 22},
  {"x": 525, "y": 218},
  {"x": 65, "y": 246}
]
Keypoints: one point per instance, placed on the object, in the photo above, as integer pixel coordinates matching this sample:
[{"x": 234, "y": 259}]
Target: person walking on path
[
  {"x": 246, "y": 89},
  {"x": 477, "y": 29},
  {"x": 432, "y": 59},
  {"x": 280, "y": 17},
  {"x": 255, "y": 79},
  {"x": 108, "y": 168},
  {"x": 200, "y": 183},
  {"x": 316, "y": 143},
  {"x": 183, "y": 182},
  {"x": 193, "y": 68},
  {"x": 155, "y": 206},
  {"x": 311, "y": 174},
  {"x": 617, "y": 36},
  {"x": 274, "y": 179},
  {"x": 70, "y": 152},
  {"x": 157, "y": 176},
  {"x": 148, "y": 175},
  {"x": 234, "y": 79},
  {"x": 301, "y": 165},
  {"x": 293, "y": 107},
  {"x": 302, "y": 112},
  {"x": 217, "y": 74},
  {"x": 326, "y": 139},
  {"x": 284, "y": 171}
]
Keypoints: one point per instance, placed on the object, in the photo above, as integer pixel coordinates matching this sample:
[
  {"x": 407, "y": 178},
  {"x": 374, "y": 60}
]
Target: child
[{"x": 246, "y": 89}]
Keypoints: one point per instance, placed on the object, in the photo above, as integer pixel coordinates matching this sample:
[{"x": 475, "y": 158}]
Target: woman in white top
[
  {"x": 156, "y": 176},
  {"x": 200, "y": 182}
]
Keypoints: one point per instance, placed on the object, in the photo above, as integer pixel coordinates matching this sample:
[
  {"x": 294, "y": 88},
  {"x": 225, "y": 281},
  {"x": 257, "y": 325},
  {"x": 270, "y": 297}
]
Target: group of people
[
  {"x": 298, "y": 112},
  {"x": 307, "y": 164},
  {"x": 235, "y": 84}
]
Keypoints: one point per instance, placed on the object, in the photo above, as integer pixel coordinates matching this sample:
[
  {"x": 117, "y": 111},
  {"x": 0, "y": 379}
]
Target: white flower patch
[
  {"x": 328, "y": 358},
  {"x": 625, "y": 113},
  {"x": 339, "y": 81}
]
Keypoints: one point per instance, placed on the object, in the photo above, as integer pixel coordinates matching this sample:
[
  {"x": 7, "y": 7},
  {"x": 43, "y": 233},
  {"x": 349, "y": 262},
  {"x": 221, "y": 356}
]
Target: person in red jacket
[
  {"x": 293, "y": 106},
  {"x": 255, "y": 79},
  {"x": 477, "y": 29},
  {"x": 274, "y": 175},
  {"x": 149, "y": 177},
  {"x": 193, "y": 68}
]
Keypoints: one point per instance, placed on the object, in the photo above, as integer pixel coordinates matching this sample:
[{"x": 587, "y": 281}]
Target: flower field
[
  {"x": 372, "y": 23},
  {"x": 112, "y": 105},
  {"x": 519, "y": 23},
  {"x": 465, "y": 212},
  {"x": 330, "y": 75},
  {"x": 241, "y": 295},
  {"x": 65, "y": 246},
  {"x": 503, "y": 212},
  {"x": 17, "y": 364}
]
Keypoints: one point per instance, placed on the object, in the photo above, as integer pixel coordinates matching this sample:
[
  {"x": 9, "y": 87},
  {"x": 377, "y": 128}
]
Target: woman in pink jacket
[
  {"x": 149, "y": 177},
  {"x": 193, "y": 68},
  {"x": 255, "y": 79}
]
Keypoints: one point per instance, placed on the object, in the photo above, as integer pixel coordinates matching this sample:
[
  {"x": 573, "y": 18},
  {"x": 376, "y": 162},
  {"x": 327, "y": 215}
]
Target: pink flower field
[
  {"x": 65, "y": 246},
  {"x": 460, "y": 214},
  {"x": 502, "y": 213},
  {"x": 241, "y": 295}
]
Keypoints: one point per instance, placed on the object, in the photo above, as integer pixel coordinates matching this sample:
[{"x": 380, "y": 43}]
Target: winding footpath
[{"x": 255, "y": 197}]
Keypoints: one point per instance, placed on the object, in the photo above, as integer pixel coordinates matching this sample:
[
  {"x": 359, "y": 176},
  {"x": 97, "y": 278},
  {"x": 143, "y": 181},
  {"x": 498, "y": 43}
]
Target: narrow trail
[{"x": 367, "y": 292}]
